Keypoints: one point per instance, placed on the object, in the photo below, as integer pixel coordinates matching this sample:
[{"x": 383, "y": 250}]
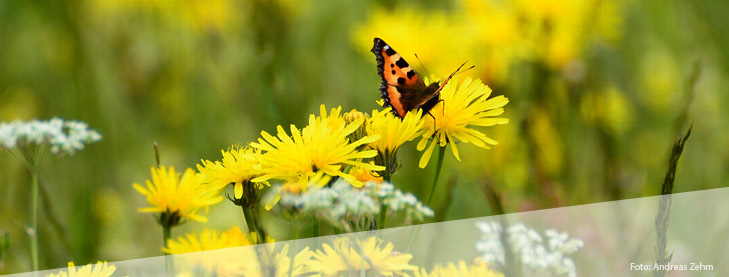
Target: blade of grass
[{"x": 664, "y": 205}]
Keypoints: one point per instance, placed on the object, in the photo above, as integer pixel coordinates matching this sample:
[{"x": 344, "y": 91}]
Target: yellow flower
[
  {"x": 208, "y": 240},
  {"x": 239, "y": 261},
  {"x": 478, "y": 269},
  {"x": 222, "y": 263},
  {"x": 346, "y": 256},
  {"x": 177, "y": 198},
  {"x": 431, "y": 34},
  {"x": 353, "y": 116},
  {"x": 101, "y": 269},
  {"x": 463, "y": 106},
  {"x": 393, "y": 131},
  {"x": 239, "y": 167},
  {"x": 283, "y": 262},
  {"x": 365, "y": 175},
  {"x": 312, "y": 155}
]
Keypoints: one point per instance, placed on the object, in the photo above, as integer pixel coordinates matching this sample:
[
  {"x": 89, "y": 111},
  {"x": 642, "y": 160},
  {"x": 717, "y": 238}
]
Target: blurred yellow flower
[
  {"x": 243, "y": 261},
  {"x": 312, "y": 155},
  {"x": 478, "y": 269},
  {"x": 101, "y": 269},
  {"x": 549, "y": 149},
  {"x": 609, "y": 108},
  {"x": 439, "y": 43},
  {"x": 209, "y": 240},
  {"x": 196, "y": 15},
  {"x": 353, "y": 256},
  {"x": 284, "y": 263},
  {"x": 177, "y": 198},
  {"x": 212, "y": 15},
  {"x": 229, "y": 262},
  {"x": 496, "y": 35},
  {"x": 238, "y": 167},
  {"x": 463, "y": 106}
]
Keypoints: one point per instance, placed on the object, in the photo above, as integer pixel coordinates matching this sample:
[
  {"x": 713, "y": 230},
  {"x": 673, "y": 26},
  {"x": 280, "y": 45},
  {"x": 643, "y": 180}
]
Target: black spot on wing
[
  {"x": 393, "y": 72},
  {"x": 389, "y": 51},
  {"x": 402, "y": 63},
  {"x": 392, "y": 65},
  {"x": 411, "y": 73},
  {"x": 401, "y": 81}
]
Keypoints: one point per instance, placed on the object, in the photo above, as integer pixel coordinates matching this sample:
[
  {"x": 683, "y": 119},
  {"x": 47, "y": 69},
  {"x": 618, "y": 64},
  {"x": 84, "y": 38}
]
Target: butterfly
[{"x": 402, "y": 88}]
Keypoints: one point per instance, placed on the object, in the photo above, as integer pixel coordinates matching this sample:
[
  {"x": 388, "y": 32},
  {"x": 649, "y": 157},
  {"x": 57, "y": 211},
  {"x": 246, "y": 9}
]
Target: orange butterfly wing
[{"x": 398, "y": 77}]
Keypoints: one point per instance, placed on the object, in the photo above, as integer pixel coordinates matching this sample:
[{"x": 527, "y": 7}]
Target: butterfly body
[{"x": 402, "y": 88}]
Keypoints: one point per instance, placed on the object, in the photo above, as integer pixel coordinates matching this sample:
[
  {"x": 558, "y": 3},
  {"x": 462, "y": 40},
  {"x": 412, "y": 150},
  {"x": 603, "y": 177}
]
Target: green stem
[
  {"x": 315, "y": 229},
  {"x": 439, "y": 165},
  {"x": 166, "y": 235},
  {"x": 251, "y": 223},
  {"x": 383, "y": 207},
  {"x": 295, "y": 227},
  {"x": 34, "y": 222}
]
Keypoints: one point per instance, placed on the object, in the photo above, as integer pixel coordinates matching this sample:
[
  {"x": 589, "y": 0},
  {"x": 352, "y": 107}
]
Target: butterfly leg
[{"x": 431, "y": 115}]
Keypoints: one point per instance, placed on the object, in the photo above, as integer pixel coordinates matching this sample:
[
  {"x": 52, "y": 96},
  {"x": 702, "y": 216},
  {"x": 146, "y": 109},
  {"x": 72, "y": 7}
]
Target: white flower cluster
[
  {"x": 528, "y": 246},
  {"x": 63, "y": 137},
  {"x": 396, "y": 201},
  {"x": 343, "y": 200}
]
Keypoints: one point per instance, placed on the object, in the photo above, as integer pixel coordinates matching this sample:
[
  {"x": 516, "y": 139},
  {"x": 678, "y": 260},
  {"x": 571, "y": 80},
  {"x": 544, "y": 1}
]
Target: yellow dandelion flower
[
  {"x": 478, "y": 269},
  {"x": 283, "y": 262},
  {"x": 321, "y": 149},
  {"x": 209, "y": 240},
  {"x": 348, "y": 256},
  {"x": 365, "y": 175},
  {"x": 239, "y": 261},
  {"x": 393, "y": 132},
  {"x": 222, "y": 263},
  {"x": 100, "y": 269},
  {"x": 238, "y": 167},
  {"x": 463, "y": 106},
  {"x": 177, "y": 198},
  {"x": 353, "y": 116}
]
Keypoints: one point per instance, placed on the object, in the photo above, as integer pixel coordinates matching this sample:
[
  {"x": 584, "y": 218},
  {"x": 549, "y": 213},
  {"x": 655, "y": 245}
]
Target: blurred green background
[{"x": 598, "y": 90}]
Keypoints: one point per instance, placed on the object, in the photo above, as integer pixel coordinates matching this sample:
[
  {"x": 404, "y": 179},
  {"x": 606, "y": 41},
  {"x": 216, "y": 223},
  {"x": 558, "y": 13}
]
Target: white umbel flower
[
  {"x": 342, "y": 200},
  {"x": 63, "y": 137},
  {"x": 540, "y": 255}
]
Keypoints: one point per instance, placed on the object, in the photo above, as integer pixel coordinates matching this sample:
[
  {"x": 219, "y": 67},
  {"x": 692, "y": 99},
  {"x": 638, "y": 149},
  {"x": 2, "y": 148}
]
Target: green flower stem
[
  {"x": 34, "y": 221},
  {"x": 251, "y": 223},
  {"x": 315, "y": 228},
  {"x": 295, "y": 231},
  {"x": 439, "y": 165},
  {"x": 383, "y": 215},
  {"x": 166, "y": 235},
  {"x": 383, "y": 207}
]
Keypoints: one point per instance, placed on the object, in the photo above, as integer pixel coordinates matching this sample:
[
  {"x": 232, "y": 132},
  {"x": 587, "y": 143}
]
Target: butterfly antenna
[
  {"x": 422, "y": 65},
  {"x": 467, "y": 69}
]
